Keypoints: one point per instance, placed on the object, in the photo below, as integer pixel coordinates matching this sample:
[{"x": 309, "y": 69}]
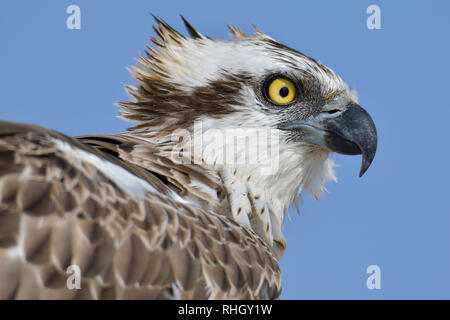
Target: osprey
[{"x": 190, "y": 202}]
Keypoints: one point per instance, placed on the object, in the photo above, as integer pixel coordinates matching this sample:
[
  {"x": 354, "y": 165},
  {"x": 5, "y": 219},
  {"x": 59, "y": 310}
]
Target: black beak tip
[
  {"x": 364, "y": 166},
  {"x": 368, "y": 154}
]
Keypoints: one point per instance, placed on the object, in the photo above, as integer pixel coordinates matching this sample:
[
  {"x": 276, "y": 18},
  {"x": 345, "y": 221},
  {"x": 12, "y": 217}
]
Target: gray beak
[{"x": 350, "y": 131}]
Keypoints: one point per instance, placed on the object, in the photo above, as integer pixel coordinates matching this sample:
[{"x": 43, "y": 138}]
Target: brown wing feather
[{"x": 57, "y": 211}]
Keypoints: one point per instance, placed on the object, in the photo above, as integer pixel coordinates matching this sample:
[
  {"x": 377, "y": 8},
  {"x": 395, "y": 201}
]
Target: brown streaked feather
[
  {"x": 59, "y": 211},
  {"x": 236, "y": 32},
  {"x": 192, "y": 31}
]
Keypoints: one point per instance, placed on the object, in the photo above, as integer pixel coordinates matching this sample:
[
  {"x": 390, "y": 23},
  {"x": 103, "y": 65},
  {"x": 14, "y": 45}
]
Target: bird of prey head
[
  {"x": 190, "y": 202},
  {"x": 298, "y": 109}
]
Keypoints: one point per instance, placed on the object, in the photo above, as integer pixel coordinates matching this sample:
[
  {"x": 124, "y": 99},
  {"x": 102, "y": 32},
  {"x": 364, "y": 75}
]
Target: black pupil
[{"x": 284, "y": 92}]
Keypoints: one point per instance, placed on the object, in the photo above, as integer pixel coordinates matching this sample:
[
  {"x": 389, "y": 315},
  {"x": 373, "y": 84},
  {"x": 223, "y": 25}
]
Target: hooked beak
[{"x": 349, "y": 130}]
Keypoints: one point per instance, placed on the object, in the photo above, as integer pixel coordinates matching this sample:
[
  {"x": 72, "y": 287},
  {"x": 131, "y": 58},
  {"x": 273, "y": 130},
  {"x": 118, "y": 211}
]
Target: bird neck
[{"x": 249, "y": 175}]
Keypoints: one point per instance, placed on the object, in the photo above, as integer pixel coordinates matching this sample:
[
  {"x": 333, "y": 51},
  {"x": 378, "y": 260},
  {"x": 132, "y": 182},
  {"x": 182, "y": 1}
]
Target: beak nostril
[{"x": 332, "y": 111}]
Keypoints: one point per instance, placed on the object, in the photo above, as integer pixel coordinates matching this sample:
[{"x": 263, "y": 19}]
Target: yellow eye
[{"x": 281, "y": 91}]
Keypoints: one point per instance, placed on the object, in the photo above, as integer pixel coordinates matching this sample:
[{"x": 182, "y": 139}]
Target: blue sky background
[{"x": 397, "y": 216}]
